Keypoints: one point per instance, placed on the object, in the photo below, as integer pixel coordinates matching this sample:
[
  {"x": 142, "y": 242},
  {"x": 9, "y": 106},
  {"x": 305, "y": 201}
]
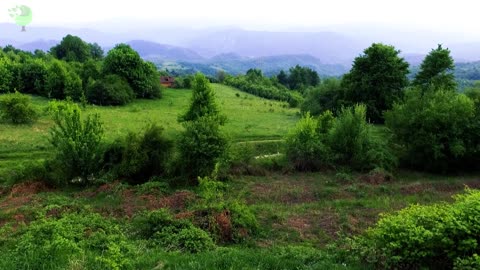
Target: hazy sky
[{"x": 454, "y": 16}]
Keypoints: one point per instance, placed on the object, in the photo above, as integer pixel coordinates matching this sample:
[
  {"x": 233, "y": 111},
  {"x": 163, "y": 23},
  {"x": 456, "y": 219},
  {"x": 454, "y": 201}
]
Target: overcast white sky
[{"x": 455, "y": 16}]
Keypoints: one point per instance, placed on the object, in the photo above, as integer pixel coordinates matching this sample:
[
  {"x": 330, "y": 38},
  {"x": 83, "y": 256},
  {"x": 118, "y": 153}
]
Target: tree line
[{"x": 80, "y": 71}]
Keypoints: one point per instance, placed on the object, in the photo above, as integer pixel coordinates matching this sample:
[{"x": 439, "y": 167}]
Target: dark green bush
[
  {"x": 345, "y": 141},
  {"x": 171, "y": 234},
  {"x": 138, "y": 157},
  {"x": 110, "y": 90},
  {"x": 438, "y": 130},
  {"x": 201, "y": 146},
  {"x": 328, "y": 96},
  {"x": 17, "y": 109},
  {"x": 306, "y": 147},
  {"x": 77, "y": 142},
  {"x": 438, "y": 236},
  {"x": 352, "y": 142}
]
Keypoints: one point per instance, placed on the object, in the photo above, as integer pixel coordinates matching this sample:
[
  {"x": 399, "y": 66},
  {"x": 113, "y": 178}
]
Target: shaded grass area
[
  {"x": 300, "y": 214},
  {"x": 249, "y": 119}
]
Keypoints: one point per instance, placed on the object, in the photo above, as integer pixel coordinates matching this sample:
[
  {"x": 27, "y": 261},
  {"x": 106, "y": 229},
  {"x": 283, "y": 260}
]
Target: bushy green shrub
[
  {"x": 201, "y": 146},
  {"x": 352, "y": 142},
  {"x": 229, "y": 220},
  {"x": 438, "y": 236},
  {"x": 305, "y": 145},
  {"x": 17, "y": 109},
  {"x": 77, "y": 142},
  {"x": 86, "y": 240},
  {"x": 438, "y": 130},
  {"x": 110, "y": 90},
  {"x": 171, "y": 234},
  {"x": 138, "y": 157},
  {"x": 345, "y": 141}
]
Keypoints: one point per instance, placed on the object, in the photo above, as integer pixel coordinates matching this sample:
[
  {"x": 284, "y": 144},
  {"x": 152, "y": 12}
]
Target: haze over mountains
[{"x": 330, "y": 50}]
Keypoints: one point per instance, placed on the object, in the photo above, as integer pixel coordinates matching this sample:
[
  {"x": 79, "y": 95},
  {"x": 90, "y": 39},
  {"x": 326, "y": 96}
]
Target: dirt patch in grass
[
  {"x": 133, "y": 203},
  {"x": 28, "y": 188},
  {"x": 22, "y": 194},
  {"x": 282, "y": 192},
  {"x": 376, "y": 178},
  {"x": 446, "y": 188},
  {"x": 414, "y": 188},
  {"x": 311, "y": 225}
]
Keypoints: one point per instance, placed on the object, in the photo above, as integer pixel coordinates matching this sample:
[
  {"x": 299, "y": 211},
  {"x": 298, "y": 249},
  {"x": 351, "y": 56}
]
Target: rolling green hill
[{"x": 249, "y": 118}]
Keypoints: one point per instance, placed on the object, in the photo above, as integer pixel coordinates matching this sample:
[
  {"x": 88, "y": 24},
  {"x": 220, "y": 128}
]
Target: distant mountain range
[{"x": 235, "y": 50}]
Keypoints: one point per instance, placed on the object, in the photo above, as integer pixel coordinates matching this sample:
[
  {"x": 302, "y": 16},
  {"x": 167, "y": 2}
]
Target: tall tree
[
  {"x": 436, "y": 71},
  {"x": 376, "y": 79},
  {"x": 71, "y": 48}
]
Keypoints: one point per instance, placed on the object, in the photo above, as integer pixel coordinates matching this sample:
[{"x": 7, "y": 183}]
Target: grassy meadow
[{"x": 249, "y": 118}]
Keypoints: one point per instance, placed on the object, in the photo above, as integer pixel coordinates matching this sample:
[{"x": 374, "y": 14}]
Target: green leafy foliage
[
  {"x": 229, "y": 220},
  {"x": 139, "y": 157},
  {"x": 438, "y": 130},
  {"x": 71, "y": 48},
  {"x": 85, "y": 241},
  {"x": 300, "y": 78},
  {"x": 376, "y": 79},
  {"x": 33, "y": 75},
  {"x": 62, "y": 82},
  {"x": 171, "y": 234},
  {"x": 436, "y": 71},
  {"x": 347, "y": 140},
  {"x": 142, "y": 76},
  {"x": 17, "y": 109},
  {"x": 77, "y": 142},
  {"x": 110, "y": 90},
  {"x": 203, "y": 102},
  {"x": 306, "y": 147},
  {"x": 201, "y": 146},
  {"x": 438, "y": 236},
  {"x": 328, "y": 96},
  {"x": 7, "y": 78},
  {"x": 352, "y": 142}
]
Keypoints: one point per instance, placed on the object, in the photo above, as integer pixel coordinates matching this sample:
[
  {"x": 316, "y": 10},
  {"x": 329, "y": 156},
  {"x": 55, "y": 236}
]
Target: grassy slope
[{"x": 249, "y": 118}]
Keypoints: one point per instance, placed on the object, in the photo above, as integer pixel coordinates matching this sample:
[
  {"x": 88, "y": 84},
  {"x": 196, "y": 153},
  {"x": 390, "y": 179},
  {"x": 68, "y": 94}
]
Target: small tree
[
  {"x": 203, "y": 101},
  {"x": 77, "y": 142},
  {"x": 202, "y": 143},
  {"x": 436, "y": 71}
]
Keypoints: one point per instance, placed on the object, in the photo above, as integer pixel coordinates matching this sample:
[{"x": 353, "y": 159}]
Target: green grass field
[{"x": 249, "y": 118}]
